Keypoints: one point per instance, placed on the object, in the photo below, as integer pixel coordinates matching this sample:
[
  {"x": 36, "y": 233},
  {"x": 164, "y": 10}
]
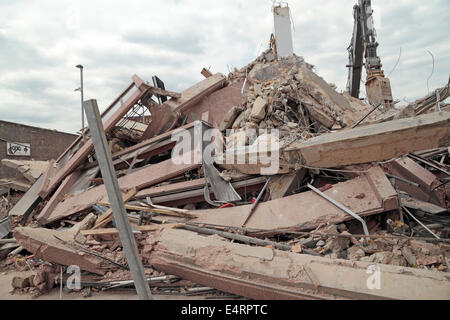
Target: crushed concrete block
[
  {"x": 260, "y": 72},
  {"x": 409, "y": 256},
  {"x": 229, "y": 118},
  {"x": 337, "y": 244},
  {"x": 355, "y": 253},
  {"x": 259, "y": 109},
  {"x": 386, "y": 257},
  {"x": 239, "y": 120},
  {"x": 20, "y": 283}
]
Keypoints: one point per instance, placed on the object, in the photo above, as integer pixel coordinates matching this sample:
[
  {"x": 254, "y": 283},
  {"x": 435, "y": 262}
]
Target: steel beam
[{"x": 115, "y": 198}]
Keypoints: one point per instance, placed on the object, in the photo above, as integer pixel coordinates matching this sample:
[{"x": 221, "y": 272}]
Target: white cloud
[{"x": 41, "y": 41}]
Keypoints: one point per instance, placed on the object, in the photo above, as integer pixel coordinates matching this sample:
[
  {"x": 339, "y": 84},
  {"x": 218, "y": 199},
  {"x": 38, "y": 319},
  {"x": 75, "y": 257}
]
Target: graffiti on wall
[{"x": 18, "y": 149}]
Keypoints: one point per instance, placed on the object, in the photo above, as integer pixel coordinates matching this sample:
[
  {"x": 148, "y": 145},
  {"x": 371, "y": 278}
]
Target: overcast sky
[{"x": 41, "y": 41}]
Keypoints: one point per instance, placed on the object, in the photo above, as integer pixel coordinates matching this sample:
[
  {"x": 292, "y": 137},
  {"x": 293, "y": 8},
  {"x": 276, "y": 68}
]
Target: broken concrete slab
[
  {"x": 140, "y": 179},
  {"x": 59, "y": 194},
  {"x": 29, "y": 200},
  {"x": 284, "y": 185},
  {"x": 376, "y": 142},
  {"x": 42, "y": 243},
  {"x": 229, "y": 119},
  {"x": 415, "y": 204},
  {"x": 408, "y": 169},
  {"x": 265, "y": 273},
  {"x": 308, "y": 210}
]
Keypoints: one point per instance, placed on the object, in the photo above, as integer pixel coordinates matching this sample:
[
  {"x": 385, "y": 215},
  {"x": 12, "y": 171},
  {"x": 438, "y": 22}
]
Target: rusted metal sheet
[
  {"x": 366, "y": 195},
  {"x": 140, "y": 179},
  {"x": 266, "y": 273}
]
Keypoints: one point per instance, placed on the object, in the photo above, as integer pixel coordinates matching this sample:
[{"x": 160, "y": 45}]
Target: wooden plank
[
  {"x": 146, "y": 228},
  {"x": 377, "y": 142},
  {"x": 107, "y": 217},
  {"x": 166, "y": 212}
]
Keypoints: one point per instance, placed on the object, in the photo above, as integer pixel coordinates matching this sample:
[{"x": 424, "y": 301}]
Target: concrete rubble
[{"x": 275, "y": 239}]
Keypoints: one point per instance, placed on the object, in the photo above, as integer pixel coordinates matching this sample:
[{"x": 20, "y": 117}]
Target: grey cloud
[
  {"x": 114, "y": 57},
  {"x": 29, "y": 86},
  {"x": 184, "y": 42},
  {"x": 16, "y": 55}
]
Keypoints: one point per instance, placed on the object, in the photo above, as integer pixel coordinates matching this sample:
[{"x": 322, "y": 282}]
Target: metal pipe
[
  {"x": 252, "y": 208},
  {"x": 364, "y": 118},
  {"x": 424, "y": 226},
  {"x": 237, "y": 237},
  {"x": 115, "y": 198},
  {"x": 340, "y": 206},
  {"x": 82, "y": 100},
  {"x": 403, "y": 180}
]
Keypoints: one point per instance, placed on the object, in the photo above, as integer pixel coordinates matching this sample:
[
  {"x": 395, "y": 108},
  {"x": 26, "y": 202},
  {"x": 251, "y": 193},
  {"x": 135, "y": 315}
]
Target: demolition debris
[{"x": 353, "y": 188}]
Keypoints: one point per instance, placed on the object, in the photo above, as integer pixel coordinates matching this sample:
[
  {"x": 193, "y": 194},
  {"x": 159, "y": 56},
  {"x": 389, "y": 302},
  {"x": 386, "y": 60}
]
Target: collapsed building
[{"x": 354, "y": 188}]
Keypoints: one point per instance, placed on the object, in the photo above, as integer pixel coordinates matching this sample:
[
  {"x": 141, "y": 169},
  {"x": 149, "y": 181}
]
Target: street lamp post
[{"x": 82, "y": 99}]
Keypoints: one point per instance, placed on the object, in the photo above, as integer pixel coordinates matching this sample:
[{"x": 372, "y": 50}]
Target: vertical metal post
[
  {"x": 115, "y": 198},
  {"x": 82, "y": 100}
]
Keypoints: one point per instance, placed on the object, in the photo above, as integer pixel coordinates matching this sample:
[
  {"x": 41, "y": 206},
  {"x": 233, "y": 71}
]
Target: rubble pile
[
  {"x": 354, "y": 188},
  {"x": 287, "y": 95}
]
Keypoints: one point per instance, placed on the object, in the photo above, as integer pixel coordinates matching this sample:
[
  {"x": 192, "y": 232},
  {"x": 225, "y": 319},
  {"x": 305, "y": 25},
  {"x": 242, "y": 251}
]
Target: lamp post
[{"x": 82, "y": 99}]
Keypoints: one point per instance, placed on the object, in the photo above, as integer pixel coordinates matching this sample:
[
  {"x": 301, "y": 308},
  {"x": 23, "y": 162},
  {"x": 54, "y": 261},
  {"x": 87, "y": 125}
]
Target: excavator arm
[{"x": 364, "y": 46}]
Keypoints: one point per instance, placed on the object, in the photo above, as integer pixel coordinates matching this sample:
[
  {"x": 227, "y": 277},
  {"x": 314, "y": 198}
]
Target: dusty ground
[{"x": 6, "y": 288}]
